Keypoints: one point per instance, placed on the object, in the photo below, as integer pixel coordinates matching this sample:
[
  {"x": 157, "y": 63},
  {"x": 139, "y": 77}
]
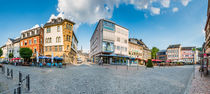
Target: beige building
[
  {"x": 60, "y": 40},
  {"x": 207, "y": 32},
  {"x": 174, "y": 53},
  {"x": 146, "y": 53},
  {"x": 135, "y": 50}
]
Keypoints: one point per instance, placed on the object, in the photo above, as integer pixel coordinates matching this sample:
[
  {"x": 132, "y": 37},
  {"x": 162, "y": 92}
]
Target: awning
[
  {"x": 15, "y": 58},
  {"x": 157, "y": 60},
  {"x": 114, "y": 55},
  {"x": 44, "y": 57},
  {"x": 57, "y": 58}
]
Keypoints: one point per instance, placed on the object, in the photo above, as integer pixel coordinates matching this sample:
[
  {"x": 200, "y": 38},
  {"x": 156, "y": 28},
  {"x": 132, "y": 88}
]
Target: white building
[
  {"x": 110, "y": 43},
  {"x": 11, "y": 46}
]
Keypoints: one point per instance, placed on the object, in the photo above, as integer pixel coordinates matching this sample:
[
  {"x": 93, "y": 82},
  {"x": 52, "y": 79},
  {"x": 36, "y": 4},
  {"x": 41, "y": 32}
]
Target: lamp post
[{"x": 193, "y": 51}]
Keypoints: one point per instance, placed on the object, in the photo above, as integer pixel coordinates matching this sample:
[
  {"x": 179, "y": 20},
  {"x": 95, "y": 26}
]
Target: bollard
[
  {"x": 14, "y": 91},
  {"x": 3, "y": 69},
  {"x": 11, "y": 72},
  {"x": 28, "y": 82},
  {"x": 19, "y": 89},
  {"x": 127, "y": 67},
  {"x": 7, "y": 72},
  {"x": 20, "y": 77}
]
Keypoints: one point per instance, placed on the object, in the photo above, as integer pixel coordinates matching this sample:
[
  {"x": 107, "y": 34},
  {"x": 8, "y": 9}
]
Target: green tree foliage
[
  {"x": 154, "y": 52},
  {"x": 1, "y": 52},
  {"x": 25, "y": 53},
  {"x": 199, "y": 49},
  {"x": 149, "y": 63},
  {"x": 11, "y": 55}
]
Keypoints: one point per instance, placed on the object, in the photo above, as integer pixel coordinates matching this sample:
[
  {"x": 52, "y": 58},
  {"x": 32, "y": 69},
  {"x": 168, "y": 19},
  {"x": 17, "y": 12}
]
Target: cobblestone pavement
[
  {"x": 200, "y": 85},
  {"x": 94, "y": 79}
]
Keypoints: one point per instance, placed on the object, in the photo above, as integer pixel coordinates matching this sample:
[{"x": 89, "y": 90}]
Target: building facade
[
  {"x": 11, "y": 46},
  {"x": 161, "y": 55},
  {"x": 207, "y": 32},
  {"x": 33, "y": 39},
  {"x": 109, "y": 43},
  {"x": 135, "y": 48},
  {"x": 188, "y": 55},
  {"x": 174, "y": 53},
  {"x": 59, "y": 40}
]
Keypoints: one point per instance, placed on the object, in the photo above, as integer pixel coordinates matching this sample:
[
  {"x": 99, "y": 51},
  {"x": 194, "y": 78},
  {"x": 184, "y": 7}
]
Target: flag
[{"x": 37, "y": 57}]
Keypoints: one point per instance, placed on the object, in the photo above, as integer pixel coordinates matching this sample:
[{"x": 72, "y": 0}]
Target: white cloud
[
  {"x": 145, "y": 15},
  {"x": 155, "y": 11},
  {"x": 175, "y": 9},
  {"x": 185, "y": 2},
  {"x": 165, "y": 3},
  {"x": 90, "y": 11}
]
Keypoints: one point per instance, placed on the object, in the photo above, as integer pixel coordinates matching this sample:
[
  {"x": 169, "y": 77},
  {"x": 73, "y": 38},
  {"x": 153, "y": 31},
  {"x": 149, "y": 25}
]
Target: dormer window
[
  {"x": 33, "y": 32},
  {"x": 28, "y": 34}
]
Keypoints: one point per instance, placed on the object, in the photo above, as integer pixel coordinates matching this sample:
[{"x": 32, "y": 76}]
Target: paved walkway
[
  {"x": 200, "y": 85},
  {"x": 94, "y": 79}
]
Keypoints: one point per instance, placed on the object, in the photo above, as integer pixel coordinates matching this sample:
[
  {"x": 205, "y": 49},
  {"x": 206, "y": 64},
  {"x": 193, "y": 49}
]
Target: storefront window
[{"x": 108, "y": 46}]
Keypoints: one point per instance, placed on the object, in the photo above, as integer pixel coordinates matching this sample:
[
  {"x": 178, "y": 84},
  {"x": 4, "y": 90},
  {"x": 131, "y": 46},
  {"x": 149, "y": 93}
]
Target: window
[
  {"x": 30, "y": 42},
  {"x": 33, "y": 33},
  {"x": 125, "y": 49},
  {"x": 118, "y": 39},
  {"x": 67, "y": 47},
  {"x": 56, "y": 48},
  {"x": 24, "y": 35},
  {"x": 34, "y": 50},
  {"x": 28, "y": 34},
  {"x": 60, "y": 48},
  {"x": 35, "y": 41},
  {"x": 21, "y": 44},
  {"x": 125, "y": 41},
  {"x": 118, "y": 47},
  {"x": 58, "y": 28},
  {"x": 50, "y": 40},
  {"x": 25, "y": 43},
  {"x": 50, "y": 48},
  {"x": 41, "y": 41},
  {"x": 58, "y": 39},
  {"x": 48, "y": 30},
  {"x": 46, "y": 48}
]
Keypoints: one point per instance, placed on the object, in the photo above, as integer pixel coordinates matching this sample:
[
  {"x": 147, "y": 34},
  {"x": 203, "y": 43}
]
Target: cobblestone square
[{"x": 94, "y": 79}]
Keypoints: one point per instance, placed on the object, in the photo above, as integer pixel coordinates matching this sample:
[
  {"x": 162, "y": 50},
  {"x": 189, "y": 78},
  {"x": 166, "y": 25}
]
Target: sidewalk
[{"x": 200, "y": 85}]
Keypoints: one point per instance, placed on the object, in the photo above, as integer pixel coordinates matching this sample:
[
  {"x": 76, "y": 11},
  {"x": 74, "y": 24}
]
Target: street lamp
[{"x": 193, "y": 50}]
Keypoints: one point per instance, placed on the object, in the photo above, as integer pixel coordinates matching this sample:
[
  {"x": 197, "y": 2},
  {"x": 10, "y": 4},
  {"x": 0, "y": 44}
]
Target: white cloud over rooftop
[{"x": 90, "y": 11}]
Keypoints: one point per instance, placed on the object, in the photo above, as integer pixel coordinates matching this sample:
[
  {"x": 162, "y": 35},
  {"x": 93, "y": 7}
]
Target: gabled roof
[
  {"x": 15, "y": 40},
  {"x": 174, "y": 46},
  {"x": 57, "y": 22},
  {"x": 138, "y": 42},
  {"x": 187, "y": 48}
]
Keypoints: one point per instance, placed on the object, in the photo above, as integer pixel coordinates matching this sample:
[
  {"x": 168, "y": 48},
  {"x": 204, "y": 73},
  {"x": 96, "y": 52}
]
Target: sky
[{"x": 158, "y": 23}]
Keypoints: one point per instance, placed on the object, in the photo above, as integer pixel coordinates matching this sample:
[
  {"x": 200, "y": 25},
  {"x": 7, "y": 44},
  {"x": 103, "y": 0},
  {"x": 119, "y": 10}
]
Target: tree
[
  {"x": 11, "y": 55},
  {"x": 25, "y": 53},
  {"x": 149, "y": 63},
  {"x": 154, "y": 52},
  {"x": 1, "y": 52}
]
